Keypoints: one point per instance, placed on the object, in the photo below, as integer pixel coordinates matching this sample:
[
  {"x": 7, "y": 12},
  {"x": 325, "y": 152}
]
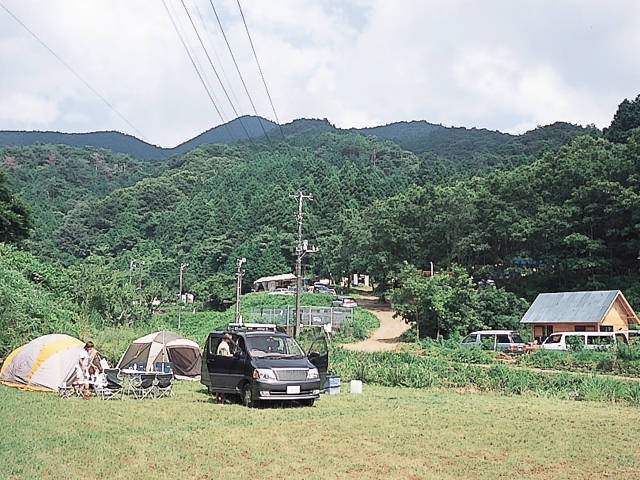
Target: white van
[
  {"x": 633, "y": 336},
  {"x": 588, "y": 340},
  {"x": 505, "y": 340}
]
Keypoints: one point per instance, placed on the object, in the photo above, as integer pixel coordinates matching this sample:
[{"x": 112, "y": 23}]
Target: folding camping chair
[
  {"x": 73, "y": 387},
  {"x": 143, "y": 385},
  {"x": 66, "y": 390},
  {"x": 114, "y": 387},
  {"x": 163, "y": 385}
]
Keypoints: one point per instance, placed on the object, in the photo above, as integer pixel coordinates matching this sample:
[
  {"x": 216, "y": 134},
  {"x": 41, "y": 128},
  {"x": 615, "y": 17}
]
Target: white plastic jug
[{"x": 356, "y": 386}]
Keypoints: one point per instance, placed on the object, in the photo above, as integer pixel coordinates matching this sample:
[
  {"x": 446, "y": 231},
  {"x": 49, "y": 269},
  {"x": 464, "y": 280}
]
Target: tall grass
[
  {"x": 621, "y": 360},
  {"x": 409, "y": 370}
]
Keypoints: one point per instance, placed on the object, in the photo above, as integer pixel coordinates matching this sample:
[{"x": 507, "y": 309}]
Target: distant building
[
  {"x": 597, "y": 311},
  {"x": 187, "y": 298},
  {"x": 269, "y": 284}
]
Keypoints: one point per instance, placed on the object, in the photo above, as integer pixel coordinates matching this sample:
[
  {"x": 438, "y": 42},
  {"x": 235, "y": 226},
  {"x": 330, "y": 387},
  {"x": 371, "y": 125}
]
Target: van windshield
[
  {"x": 553, "y": 339},
  {"x": 274, "y": 347}
]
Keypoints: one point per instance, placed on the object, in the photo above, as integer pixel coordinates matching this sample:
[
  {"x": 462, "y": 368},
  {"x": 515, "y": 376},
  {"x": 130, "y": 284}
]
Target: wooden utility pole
[
  {"x": 180, "y": 302},
  {"x": 301, "y": 249},
  {"x": 239, "y": 275}
]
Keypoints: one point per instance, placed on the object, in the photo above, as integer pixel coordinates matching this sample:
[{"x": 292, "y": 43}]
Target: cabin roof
[{"x": 565, "y": 307}]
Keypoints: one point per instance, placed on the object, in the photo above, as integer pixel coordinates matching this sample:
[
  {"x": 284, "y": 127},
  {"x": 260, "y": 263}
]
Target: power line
[
  {"x": 226, "y": 40},
  {"x": 195, "y": 29},
  {"x": 218, "y": 60},
  {"x": 260, "y": 69},
  {"x": 204, "y": 84},
  {"x": 68, "y": 67}
]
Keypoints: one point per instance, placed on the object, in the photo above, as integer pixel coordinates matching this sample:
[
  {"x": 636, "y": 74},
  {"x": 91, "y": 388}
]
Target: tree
[
  {"x": 626, "y": 118},
  {"x": 34, "y": 299},
  {"x": 15, "y": 219},
  {"x": 439, "y": 305},
  {"x": 449, "y": 303},
  {"x": 103, "y": 295}
]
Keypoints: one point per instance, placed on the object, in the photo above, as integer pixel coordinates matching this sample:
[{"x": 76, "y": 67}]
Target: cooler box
[{"x": 331, "y": 385}]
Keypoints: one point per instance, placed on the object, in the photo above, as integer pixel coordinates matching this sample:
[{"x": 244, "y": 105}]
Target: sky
[{"x": 165, "y": 71}]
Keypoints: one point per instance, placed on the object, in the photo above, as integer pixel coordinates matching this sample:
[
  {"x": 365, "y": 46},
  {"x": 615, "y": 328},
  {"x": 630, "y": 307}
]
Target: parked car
[
  {"x": 344, "y": 302},
  {"x": 283, "y": 291},
  {"x": 321, "y": 288},
  {"x": 265, "y": 365},
  {"x": 578, "y": 340},
  {"x": 504, "y": 340}
]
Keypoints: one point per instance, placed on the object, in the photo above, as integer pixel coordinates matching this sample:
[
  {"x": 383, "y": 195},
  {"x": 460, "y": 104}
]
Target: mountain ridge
[{"x": 417, "y": 136}]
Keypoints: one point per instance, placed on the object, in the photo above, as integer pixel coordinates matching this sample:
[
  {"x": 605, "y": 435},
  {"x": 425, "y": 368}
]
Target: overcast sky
[{"x": 507, "y": 65}]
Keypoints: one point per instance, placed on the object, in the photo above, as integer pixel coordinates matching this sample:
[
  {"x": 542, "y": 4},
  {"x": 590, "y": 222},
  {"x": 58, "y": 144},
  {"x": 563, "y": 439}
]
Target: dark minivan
[{"x": 264, "y": 365}]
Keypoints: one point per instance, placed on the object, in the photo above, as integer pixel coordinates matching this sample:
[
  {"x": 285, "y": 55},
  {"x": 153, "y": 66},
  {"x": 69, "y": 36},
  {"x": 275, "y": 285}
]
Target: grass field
[{"x": 386, "y": 433}]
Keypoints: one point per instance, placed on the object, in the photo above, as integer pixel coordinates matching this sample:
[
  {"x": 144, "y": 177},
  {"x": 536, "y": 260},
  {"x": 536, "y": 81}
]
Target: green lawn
[{"x": 390, "y": 433}]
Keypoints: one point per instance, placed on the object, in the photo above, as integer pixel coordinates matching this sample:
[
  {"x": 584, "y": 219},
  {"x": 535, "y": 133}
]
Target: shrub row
[{"x": 410, "y": 370}]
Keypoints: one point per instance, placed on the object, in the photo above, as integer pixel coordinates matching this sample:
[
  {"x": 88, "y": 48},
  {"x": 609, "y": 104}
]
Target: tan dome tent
[
  {"x": 43, "y": 364},
  {"x": 165, "y": 346}
]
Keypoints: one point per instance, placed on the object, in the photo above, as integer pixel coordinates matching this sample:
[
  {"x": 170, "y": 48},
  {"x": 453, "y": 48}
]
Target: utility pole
[
  {"x": 140, "y": 283},
  {"x": 239, "y": 276},
  {"x": 180, "y": 302},
  {"x": 301, "y": 249},
  {"x": 132, "y": 264}
]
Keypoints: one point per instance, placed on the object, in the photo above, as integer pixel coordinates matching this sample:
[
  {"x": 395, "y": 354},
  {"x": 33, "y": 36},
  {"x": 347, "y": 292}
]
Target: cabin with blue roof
[{"x": 597, "y": 311}]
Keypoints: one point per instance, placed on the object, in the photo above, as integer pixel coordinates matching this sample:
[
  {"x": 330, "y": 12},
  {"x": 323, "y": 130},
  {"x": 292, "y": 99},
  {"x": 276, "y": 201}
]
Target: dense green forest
[{"x": 88, "y": 230}]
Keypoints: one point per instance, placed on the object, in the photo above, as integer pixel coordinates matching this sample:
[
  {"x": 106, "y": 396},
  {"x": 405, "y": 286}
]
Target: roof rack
[{"x": 253, "y": 327}]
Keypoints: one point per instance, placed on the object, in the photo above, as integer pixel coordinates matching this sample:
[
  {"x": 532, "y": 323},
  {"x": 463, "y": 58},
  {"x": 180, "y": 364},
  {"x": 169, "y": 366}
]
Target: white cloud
[
  {"x": 496, "y": 64},
  {"x": 27, "y": 110}
]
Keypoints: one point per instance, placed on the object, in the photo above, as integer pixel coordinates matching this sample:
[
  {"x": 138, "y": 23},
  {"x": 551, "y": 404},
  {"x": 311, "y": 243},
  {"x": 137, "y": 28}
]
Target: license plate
[{"x": 293, "y": 389}]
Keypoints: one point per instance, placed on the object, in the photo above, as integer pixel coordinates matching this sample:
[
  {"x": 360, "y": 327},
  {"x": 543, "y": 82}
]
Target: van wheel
[{"x": 246, "y": 396}]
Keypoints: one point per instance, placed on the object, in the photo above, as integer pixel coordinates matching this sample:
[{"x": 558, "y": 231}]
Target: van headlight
[
  {"x": 264, "y": 374},
  {"x": 312, "y": 374}
]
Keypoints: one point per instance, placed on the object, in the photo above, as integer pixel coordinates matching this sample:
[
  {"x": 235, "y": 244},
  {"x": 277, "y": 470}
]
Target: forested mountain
[
  {"x": 114, "y": 141},
  {"x": 240, "y": 129},
  {"x": 218, "y": 203},
  {"x": 557, "y": 208},
  {"x": 420, "y": 137},
  {"x": 51, "y": 179}
]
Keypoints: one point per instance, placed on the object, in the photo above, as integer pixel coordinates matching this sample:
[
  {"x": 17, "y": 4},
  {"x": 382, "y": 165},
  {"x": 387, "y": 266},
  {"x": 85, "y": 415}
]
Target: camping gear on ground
[
  {"x": 164, "y": 385},
  {"x": 164, "y": 346},
  {"x": 356, "y": 386},
  {"x": 113, "y": 387},
  {"x": 143, "y": 385},
  {"x": 44, "y": 364}
]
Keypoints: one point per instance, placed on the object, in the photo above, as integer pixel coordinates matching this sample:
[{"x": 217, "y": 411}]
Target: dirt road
[{"x": 385, "y": 337}]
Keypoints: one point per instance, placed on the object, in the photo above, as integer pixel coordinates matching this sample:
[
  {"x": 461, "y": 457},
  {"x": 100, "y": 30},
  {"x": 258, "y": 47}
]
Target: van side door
[
  {"x": 318, "y": 355},
  {"x": 225, "y": 371}
]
